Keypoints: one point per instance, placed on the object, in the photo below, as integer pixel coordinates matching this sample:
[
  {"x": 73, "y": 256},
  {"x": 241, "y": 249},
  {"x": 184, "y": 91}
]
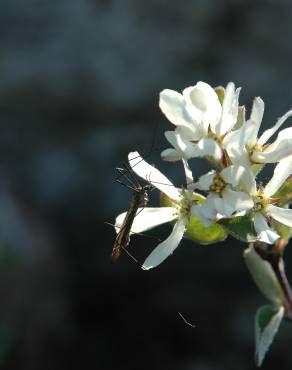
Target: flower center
[
  {"x": 218, "y": 184},
  {"x": 260, "y": 201}
]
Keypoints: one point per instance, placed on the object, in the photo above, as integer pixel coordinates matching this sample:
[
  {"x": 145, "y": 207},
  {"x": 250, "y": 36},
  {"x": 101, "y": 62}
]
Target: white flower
[
  {"x": 264, "y": 209},
  {"x": 243, "y": 145},
  {"x": 222, "y": 200},
  {"x": 150, "y": 217},
  {"x": 201, "y": 120}
]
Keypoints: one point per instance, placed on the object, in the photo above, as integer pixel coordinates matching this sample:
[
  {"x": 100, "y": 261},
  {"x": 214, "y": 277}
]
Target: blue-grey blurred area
[{"x": 79, "y": 88}]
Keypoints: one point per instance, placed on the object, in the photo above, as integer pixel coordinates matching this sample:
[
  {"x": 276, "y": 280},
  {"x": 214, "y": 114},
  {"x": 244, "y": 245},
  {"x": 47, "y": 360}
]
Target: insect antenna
[
  {"x": 126, "y": 168},
  {"x": 127, "y": 174}
]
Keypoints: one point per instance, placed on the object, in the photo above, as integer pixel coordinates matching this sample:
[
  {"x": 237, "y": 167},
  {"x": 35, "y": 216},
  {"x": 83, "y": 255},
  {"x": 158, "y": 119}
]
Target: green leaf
[
  {"x": 199, "y": 233},
  {"x": 284, "y": 193},
  {"x": 195, "y": 229},
  {"x": 241, "y": 228},
  {"x": 267, "y": 322}
]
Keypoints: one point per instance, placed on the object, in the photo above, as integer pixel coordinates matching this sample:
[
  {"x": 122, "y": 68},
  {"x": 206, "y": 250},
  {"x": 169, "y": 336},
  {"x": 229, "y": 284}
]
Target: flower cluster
[
  {"x": 229, "y": 199},
  {"x": 210, "y": 123}
]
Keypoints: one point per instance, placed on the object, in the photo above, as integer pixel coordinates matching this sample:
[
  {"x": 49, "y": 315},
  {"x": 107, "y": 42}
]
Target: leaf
[
  {"x": 199, "y": 233},
  {"x": 241, "y": 228},
  {"x": 195, "y": 229},
  {"x": 284, "y": 194},
  {"x": 267, "y": 322}
]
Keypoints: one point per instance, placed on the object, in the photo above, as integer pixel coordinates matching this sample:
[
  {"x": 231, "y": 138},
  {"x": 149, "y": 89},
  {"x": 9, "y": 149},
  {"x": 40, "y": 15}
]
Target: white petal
[
  {"x": 170, "y": 155},
  {"x": 152, "y": 175},
  {"x": 269, "y": 133},
  {"x": 232, "y": 174},
  {"x": 200, "y": 95},
  {"x": 172, "y": 105},
  {"x": 233, "y": 202},
  {"x": 193, "y": 132},
  {"x": 256, "y": 117},
  {"x": 197, "y": 211},
  {"x": 280, "y": 148},
  {"x": 284, "y": 134},
  {"x": 274, "y": 153},
  {"x": 282, "y": 171},
  {"x": 147, "y": 218},
  {"x": 229, "y": 110},
  {"x": 264, "y": 232},
  {"x": 283, "y": 215},
  {"x": 203, "y": 102},
  {"x": 189, "y": 174},
  {"x": 236, "y": 142},
  {"x": 238, "y": 155},
  {"x": 208, "y": 209},
  {"x": 166, "y": 248},
  {"x": 248, "y": 181},
  {"x": 205, "y": 181},
  {"x": 181, "y": 145},
  {"x": 207, "y": 147}
]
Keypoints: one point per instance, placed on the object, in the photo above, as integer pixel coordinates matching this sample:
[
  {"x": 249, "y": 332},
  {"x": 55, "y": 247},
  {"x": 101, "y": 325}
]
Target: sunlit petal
[
  {"x": 205, "y": 181},
  {"x": 200, "y": 95},
  {"x": 238, "y": 155},
  {"x": 274, "y": 153},
  {"x": 208, "y": 208},
  {"x": 167, "y": 247},
  {"x": 152, "y": 175},
  {"x": 233, "y": 202},
  {"x": 248, "y": 181},
  {"x": 188, "y": 173},
  {"x": 236, "y": 142},
  {"x": 256, "y": 117},
  {"x": 193, "y": 132},
  {"x": 282, "y": 171},
  {"x": 203, "y": 98},
  {"x": 182, "y": 146},
  {"x": 232, "y": 174},
  {"x": 264, "y": 232},
  {"x": 173, "y": 106},
  {"x": 147, "y": 218},
  {"x": 170, "y": 155},
  {"x": 270, "y": 132},
  {"x": 197, "y": 211},
  {"x": 207, "y": 147},
  {"x": 283, "y": 215},
  {"x": 229, "y": 110}
]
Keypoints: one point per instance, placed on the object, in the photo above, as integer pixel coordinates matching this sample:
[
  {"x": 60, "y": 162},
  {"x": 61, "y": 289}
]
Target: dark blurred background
[{"x": 79, "y": 89}]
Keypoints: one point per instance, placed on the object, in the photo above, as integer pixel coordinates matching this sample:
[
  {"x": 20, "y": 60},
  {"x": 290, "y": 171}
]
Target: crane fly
[{"x": 139, "y": 199}]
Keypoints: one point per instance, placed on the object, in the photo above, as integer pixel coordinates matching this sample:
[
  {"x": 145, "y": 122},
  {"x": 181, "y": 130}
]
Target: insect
[{"x": 139, "y": 199}]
